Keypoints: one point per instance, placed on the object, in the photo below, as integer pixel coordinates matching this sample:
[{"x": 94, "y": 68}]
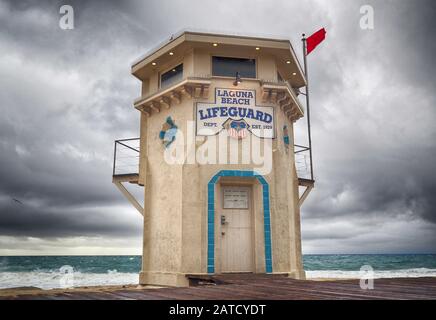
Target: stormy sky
[{"x": 66, "y": 95}]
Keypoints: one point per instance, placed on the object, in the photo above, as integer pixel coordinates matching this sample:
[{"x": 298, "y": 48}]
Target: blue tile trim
[{"x": 211, "y": 216}]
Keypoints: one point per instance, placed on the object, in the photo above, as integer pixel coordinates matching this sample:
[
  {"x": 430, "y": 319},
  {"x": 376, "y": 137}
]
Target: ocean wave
[
  {"x": 52, "y": 280},
  {"x": 57, "y": 279},
  {"x": 401, "y": 273}
]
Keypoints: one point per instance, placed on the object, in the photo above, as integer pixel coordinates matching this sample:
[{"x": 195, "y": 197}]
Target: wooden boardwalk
[{"x": 268, "y": 287}]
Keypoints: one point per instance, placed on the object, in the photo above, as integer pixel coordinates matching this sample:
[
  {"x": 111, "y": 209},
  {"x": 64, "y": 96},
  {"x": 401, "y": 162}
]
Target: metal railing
[
  {"x": 126, "y": 157},
  {"x": 302, "y": 161}
]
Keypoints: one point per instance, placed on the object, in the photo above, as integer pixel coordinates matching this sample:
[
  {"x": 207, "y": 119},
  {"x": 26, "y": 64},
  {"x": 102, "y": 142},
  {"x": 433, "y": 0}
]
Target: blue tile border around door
[{"x": 211, "y": 215}]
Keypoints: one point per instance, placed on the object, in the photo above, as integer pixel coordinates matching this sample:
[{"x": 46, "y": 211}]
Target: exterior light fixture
[
  {"x": 238, "y": 79},
  {"x": 215, "y": 44},
  {"x": 171, "y": 53},
  {"x": 288, "y": 62},
  {"x": 257, "y": 48},
  {"x": 153, "y": 63},
  {"x": 294, "y": 73}
]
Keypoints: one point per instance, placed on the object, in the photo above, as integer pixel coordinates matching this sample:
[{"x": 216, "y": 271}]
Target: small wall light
[
  {"x": 215, "y": 44},
  {"x": 171, "y": 53},
  {"x": 153, "y": 63},
  {"x": 288, "y": 62},
  {"x": 257, "y": 48},
  {"x": 238, "y": 79}
]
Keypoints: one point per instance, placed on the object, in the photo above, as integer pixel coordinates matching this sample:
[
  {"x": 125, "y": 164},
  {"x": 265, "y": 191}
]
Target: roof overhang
[{"x": 179, "y": 45}]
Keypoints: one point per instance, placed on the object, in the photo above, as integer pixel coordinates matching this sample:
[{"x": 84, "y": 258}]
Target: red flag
[{"x": 315, "y": 39}]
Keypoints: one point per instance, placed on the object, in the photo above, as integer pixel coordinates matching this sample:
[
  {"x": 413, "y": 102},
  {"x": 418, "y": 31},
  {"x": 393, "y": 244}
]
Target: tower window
[
  {"x": 171, "y": 76},
  {"x": 227, "y": 67}
]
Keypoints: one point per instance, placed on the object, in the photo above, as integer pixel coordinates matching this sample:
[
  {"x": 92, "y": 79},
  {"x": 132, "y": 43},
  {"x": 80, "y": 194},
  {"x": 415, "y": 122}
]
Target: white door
[{"x": 236, "y": 230}]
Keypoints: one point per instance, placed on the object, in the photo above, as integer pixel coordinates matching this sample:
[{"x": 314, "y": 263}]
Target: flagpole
[{"x": 307, "y": 103}]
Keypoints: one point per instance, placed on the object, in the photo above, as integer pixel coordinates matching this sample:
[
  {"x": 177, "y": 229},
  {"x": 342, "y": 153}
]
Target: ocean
[{"x": 49, "y": 272}]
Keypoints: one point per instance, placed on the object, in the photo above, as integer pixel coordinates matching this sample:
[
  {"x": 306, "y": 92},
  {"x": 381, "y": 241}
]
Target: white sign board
[
  {"x": 235, "y": 111},
  {"x": 235, "y": 198}
]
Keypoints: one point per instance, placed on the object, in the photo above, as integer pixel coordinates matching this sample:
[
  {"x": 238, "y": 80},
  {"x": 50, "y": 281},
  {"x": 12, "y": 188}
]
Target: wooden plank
[{"x": 250, "y": 286}]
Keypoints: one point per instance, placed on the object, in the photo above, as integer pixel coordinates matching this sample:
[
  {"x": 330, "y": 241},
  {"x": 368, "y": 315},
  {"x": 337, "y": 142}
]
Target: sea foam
[
  {"x": 401, "y": 273},
  {"x": 51, "y": 280},
  {"x": 55, "y": 279}
]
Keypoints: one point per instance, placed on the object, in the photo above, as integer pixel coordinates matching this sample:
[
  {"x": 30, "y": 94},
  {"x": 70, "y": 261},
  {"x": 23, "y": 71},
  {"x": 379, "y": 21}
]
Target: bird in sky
[{"x": 17, "y": 201}]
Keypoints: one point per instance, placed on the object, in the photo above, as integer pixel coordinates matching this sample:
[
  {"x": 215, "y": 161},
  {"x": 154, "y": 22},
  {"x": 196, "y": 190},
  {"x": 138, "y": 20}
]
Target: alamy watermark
[
  {"x": 67, "y": 277},
  {"x": 66, "y": 21},
  {"x": 366, "y": 277},
  {"x": 366, "y": 21},
  {"x": 220, "y": 149}
]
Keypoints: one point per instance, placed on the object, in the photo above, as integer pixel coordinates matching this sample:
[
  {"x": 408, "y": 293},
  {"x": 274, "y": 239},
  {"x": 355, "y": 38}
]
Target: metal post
[
  {"x": 307, "y": 104},
  {"x": 115, "y": 157}
]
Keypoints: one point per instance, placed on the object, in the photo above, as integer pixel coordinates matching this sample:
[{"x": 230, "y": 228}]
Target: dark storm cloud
[
  {"x": 22, "y": 219},
  {"x": 381, "y": 159},
  {"x": 64, "y": 101},
  {"x": 66, "y": 95},
  {"x": 374, "y": 132}
]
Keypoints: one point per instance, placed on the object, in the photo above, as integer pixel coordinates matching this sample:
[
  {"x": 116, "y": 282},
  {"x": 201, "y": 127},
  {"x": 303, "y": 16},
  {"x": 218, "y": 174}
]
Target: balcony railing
[
  {"x": 302, "y": 162},
  {"x": 126, "y": 157}
]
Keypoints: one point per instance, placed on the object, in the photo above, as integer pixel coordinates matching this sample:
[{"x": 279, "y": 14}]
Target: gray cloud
[
  {"x": 40, "y": 221},
  {"x": 66, "y": 95}
]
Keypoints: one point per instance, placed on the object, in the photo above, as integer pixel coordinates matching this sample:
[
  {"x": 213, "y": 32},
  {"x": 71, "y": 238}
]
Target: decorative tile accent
[
  {"x": 211, "y": 216},
  {"x": 286, "y": 137},
  {"x": 168, "y": 132}
]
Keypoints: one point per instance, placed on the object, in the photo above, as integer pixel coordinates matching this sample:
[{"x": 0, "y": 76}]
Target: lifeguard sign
[{"x": 236, "y": 111}]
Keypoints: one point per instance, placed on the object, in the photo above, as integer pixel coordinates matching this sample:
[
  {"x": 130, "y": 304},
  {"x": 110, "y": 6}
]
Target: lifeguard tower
[{"x": 207, "y": 211}]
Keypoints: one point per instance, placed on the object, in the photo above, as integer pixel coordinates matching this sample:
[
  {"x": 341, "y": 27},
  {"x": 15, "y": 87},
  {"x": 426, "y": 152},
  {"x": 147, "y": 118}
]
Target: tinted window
[
  {"x": 227, "y": 67},
  {"x": 171, "y": 76}
]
